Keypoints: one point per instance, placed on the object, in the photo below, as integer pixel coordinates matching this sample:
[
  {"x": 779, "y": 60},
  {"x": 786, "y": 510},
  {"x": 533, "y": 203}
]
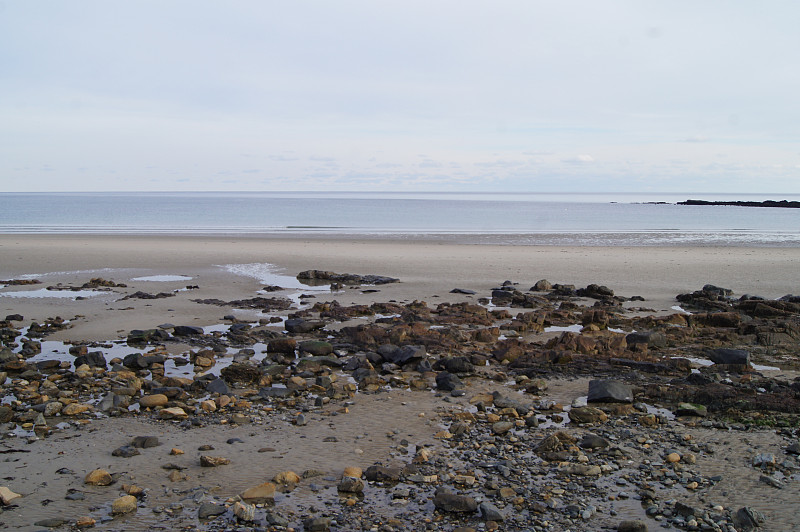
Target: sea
[{"x": 504, "y": 218}]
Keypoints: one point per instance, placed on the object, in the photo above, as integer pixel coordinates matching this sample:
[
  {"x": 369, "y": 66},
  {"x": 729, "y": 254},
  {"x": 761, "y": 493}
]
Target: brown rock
[
  {"x": 213, "y": 461},
  {"x": 74, "y": 409},
  {"x": 172, "y": 413},
  {"x": 259, "y": 494},
  {"x": 6, "y": 495},
  {"x": 587, "y": 414},
  {"x": 98, "y": 477},
  {"x": 286, "y": 477},
  {"x": 124, "y": 505},
  {"x": 152, "y": 401}
]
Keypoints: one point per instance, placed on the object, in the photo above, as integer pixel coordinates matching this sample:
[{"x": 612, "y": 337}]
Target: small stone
[
  {"x": 213, "y": 461},
  {"x": 176, "y": 476},
  {"x": 175, "y": 451},
  {"x": 673, "y": 458},
  {"x": 351, "y": 485},
  {"x": 286, "y": 477},
  {"x": 124, "y": 505},
  {"x": 98, "y": 477},
  {"x": 173, "y": 413},
  {"x": 6, "y": 495},
  {"x": 85, "y": 522},
  {"x": 126, "y": 451},
  {"x": 53, "y": 522},
  {"x": 245, "y": 512},
  {"x": 352, "y": 471}
]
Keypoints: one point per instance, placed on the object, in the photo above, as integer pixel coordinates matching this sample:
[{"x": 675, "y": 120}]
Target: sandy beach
[
  {"x": 426, "y": 270},
  {"x": 387, "y": 425}
]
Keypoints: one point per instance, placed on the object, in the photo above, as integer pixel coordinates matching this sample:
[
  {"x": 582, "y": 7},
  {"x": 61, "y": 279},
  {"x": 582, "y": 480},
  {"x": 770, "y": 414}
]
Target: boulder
[
  {"x": 729, "y": 356},
  {"x": 609, "y": 391}
]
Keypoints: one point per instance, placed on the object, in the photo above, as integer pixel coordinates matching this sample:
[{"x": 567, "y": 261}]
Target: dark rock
[
  {"x": 691, "y": 409},
  {"x": 317, "y": 524},
  {"x": 314, "y": 276},
  {"x": 14, "y": 317},
  {"x": 240, "y": 373},
  {"x": 456, "y": 365},
  {"x": 729, "y": 356},
  {"x": 138, "y": 336},
  {"x": 210, "y": 509},
  {"x": 684, "y": 510},
  {"x": 632, "y": 526},
  {"x": 609, "y": 391},
  {"x": 718, "y": 291},
  {"x": 490, "y": 512},
  {"x": 593, "y": 441},
  {"x": 447, "y": 501},
  {"x": 301, "y": 326},
  {"x": 282, "y": 345},
  {"x": 746, "y": 519},
  {"x": 275, "y": 392},
  {"x": 404, "y": 354},
  {"x": 316, "y": 347},
  {"x": 595, "y": 292},
  {"x": 126, "y": 451},
  {"x": 219, "y": 386},
  {"x": 448, "y": 381},
  {"x": 145, "y": 442},
  {"x": 379, "y": 473},
  {"x": 463, "y": 291},
  {"x": 187, "y": 330},
  {"x": 93, "y": 359},
  {"x": 650, "y": 338},
  {"x": 140, "y": 361}
]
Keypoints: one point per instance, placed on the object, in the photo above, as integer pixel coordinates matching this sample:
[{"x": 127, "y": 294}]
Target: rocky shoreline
[
  {"x": 786, "y": 204},
  {"x": 545, "y": 408}
]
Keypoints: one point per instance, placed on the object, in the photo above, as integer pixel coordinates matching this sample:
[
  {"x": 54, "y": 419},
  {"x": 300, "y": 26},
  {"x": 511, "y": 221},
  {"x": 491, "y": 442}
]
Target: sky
[{"x": 435, "y": 95}]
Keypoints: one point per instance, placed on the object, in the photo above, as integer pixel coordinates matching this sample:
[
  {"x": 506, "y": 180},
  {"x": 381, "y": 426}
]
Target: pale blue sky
[{"x": 527, "y": 95}]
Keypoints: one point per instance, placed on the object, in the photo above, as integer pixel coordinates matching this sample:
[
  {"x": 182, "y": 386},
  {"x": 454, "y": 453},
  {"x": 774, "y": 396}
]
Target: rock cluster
[{"x": 507, "y": 459}]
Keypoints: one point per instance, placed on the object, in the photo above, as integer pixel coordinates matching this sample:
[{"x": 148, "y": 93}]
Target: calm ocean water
[{"x": 502, "y": 218}]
